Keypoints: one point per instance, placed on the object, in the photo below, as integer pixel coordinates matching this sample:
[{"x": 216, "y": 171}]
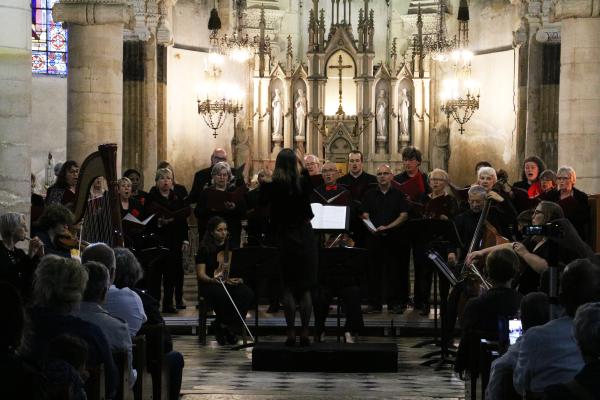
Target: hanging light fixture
[
  {"x": 437, "y": 45},
  {"x": 218, "y": 99},
  {"x": 239, "y": 47},
  {"x": 460, "y": 94}
]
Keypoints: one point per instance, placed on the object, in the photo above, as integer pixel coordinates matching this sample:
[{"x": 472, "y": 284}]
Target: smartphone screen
[{"x": 515, "y": 330}]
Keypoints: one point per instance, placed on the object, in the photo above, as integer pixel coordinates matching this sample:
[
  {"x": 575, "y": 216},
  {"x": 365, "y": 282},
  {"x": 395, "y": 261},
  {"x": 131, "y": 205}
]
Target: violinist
[
  {"x": 16, "y": 266},
  {"x": 536, "y": 252},
  {"x": 210, "y": 267},
  {"x": 53, "y": 230}
]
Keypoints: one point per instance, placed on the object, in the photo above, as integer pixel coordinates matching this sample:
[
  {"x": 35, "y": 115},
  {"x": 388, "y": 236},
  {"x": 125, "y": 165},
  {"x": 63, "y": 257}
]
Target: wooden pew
[
  {"x": 124, "y": 391},
  {"x": 142, "y": 390},
  {"x": 155, "y": 360},
  {"x": 95, "y": 385}
]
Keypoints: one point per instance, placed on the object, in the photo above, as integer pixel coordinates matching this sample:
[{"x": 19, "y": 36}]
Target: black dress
[
  {"x": 17, "y": 269},
  {"x": 290, "y": 215},
  {"x": 216, "y": 295}
]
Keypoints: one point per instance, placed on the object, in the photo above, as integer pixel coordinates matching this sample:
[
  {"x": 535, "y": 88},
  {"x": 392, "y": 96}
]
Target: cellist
[{"x": 210, "y": 268}]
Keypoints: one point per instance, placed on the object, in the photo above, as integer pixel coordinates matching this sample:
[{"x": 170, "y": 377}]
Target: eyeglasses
[
  {"x": 563, "y": 178},
  {"x": 328, "y": 171}
]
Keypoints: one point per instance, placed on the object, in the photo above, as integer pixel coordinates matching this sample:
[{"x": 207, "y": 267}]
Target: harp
[{"x": 101, "y": 218}]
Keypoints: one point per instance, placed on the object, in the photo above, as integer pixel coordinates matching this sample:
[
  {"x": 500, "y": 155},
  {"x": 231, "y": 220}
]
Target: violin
[
  {"x": 224, "y": 258},
  {"x": 67, "y": 241},
  {"x": 341, "y": 240}
]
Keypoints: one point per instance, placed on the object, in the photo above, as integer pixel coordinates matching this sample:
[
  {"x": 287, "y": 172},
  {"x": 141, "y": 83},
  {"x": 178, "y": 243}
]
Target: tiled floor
[{"x": 215, "y": 373}]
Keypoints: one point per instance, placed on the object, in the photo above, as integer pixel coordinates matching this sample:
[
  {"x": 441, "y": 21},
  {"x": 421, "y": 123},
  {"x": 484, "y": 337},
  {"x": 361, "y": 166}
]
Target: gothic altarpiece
[{"x": 339, "y": 100}]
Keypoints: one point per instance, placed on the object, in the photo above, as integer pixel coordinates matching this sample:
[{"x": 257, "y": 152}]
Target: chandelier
[
  {"x": 460, "y": 95},
  {"x": 217, "y": 100},
  {"x": 437, "y": 45},
  {"x": 239, "y": 47}
]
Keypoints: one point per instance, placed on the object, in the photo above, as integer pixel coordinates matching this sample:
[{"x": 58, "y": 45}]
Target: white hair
[
  {"x": 569, "y": 170},
  {"x": 487, "y": 171}
]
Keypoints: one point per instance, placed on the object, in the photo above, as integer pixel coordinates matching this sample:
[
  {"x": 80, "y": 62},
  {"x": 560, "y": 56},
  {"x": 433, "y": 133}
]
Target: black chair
[
  {"x": 489, "y": 350},
  {"x": 142, "y": 390},
  {"x": 124, "y": 391},
  {"x": 95, "y": 388}
]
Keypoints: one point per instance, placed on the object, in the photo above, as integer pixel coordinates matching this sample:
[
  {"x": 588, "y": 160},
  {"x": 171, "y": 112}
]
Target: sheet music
[
  {"x": 329, "y": 217},
  {"x": 131, "y": 218},
  {"x": 369, "y": 225}
]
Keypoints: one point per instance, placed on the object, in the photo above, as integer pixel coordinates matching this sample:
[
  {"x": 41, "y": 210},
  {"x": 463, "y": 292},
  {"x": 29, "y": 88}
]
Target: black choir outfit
[
  {"x": 173, "y": 234},
  {"x": 215, "y": 294},
  {"x": 358, "y": 186},
  {"x": 386, "y": 249},
  {"x": 416, "y": 189},
  {"x": 575, "y": 208},
  {"x": 132, "y": 231},
  {"x": 259, "y": 226},
  {"x": 290, "y": 217},
  {"x": 346, "y": 288},
  {"x": 60, "y": 195},
  {"x": 207, "y": 208},
  {"x": 203, "y": 179}
]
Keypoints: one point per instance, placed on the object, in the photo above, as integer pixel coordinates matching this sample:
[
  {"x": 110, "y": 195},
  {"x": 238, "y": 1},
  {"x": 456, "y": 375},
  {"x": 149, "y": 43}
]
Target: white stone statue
[
  {"x": 404, "y": 105},
  {"x": 276, "y": 106},
  {"x": 300, "y": 106},
  {"x": 381, "y": 114}
]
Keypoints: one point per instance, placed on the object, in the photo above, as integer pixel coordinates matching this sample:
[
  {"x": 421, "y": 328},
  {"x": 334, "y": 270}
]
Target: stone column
[
  {"x": 95, "y": 80},
  {"x": 15, "y": 106},
  {"x": 149, "y": 114},
  {"x": 579, "y": 99},
  {"x": 534, "y": 77}
]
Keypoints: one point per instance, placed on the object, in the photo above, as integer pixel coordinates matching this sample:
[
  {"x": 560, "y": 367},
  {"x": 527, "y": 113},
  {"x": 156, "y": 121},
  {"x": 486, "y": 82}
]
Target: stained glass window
[{"x": 48, "y": 40}]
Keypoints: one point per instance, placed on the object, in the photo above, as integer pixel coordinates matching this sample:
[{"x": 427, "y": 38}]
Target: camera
[{"x": 550, "y": 230}]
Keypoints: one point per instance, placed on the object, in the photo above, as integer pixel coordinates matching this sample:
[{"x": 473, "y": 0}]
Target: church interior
[{"x": 477, "y": 119}]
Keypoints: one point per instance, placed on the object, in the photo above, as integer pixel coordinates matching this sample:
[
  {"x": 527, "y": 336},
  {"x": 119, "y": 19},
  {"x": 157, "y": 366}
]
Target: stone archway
[{"x": 338, "y": 153}]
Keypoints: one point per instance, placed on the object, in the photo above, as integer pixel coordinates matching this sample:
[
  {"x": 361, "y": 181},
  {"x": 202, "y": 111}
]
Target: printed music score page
[
  {"x": 333, "y": 218},
  {"x": 129, "y": 217},
  {"x": 369, "y": 225}
]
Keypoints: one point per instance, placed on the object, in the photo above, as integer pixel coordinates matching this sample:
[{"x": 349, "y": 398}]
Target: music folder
[{"x": 330, "y": 218}]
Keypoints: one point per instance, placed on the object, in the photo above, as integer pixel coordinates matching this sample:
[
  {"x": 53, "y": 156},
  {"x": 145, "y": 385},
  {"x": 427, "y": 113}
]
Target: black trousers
[
  {"x": 389, "y": 260},
  {"x": 423, "y": 273},
  {"x": 225, "y": 312},
  {"x": 350, "y": 296},
  {"x": 169, "y": 271}
]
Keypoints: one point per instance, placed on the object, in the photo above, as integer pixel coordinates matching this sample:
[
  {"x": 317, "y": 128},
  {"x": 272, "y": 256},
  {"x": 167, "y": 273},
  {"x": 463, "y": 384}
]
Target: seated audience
[
  {"x": 121, "y": 303},
  {"x": 549, "y": 353},
  {"x": 58, "y": 288},
  {"x": 65, "y": 368},
  {"x": 91, "y": 310},
  {"x": 127, "y": 274},
  {"x": 586, "y": 384},
  {"x": 18, "y": 379},
  {"x": 481, "y": 313},
  {"x": 16, "y": 267},
  {"x": 535, "y": 310}
]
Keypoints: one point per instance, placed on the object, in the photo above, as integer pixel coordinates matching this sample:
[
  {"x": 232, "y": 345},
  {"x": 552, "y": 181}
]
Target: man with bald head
[
  {"x": 386, "y": 207},
  {"x": 203, "y": 177}
]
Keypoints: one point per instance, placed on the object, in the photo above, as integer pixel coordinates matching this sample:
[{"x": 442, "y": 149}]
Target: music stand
[
  {"x": 436, "y": 233},
  {"x": 252, "y": 263}
]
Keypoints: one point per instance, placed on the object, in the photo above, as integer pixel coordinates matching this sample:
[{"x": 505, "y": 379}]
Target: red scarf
[{"x": 534, "y": 190}]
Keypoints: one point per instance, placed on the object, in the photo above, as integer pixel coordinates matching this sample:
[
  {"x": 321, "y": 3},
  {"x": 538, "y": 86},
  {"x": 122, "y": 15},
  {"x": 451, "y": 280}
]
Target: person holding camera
[{"x": 535, "y": 251}]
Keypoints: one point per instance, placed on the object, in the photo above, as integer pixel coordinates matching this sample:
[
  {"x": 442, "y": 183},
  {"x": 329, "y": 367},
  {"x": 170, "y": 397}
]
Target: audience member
[
  {"x": 58, "y": 288},
  {"x": 481, "y": 313},
  {"x": 121, "y": 303},
  {"x": 586, "y": 384},
  {"x": 535, "y": 310},
  {"x": 18, "y": 379},
  {"x": 549, "y": 353},
  {"x": 65, "y": 368},
  {"x": 91, "y": 310},
  {"x": 127, "y": 274}
]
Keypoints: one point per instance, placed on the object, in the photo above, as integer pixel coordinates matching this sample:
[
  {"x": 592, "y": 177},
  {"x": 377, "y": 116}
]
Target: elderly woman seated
[{"x": 58, "y": 290}]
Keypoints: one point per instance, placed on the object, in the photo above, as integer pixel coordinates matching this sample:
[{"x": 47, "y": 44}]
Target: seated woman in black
[
  {"x": 227, "y": 320},
  {"x": 536, "y": 252}
]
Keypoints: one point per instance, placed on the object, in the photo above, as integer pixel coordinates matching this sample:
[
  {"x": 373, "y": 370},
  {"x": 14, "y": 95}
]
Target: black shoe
[
  {"x": 220, "y": 333},
  {"x": 169, "y": 310},
  {"x": 181, "y": 306},
  {"x": 290, "y": 342},
  {"x": 231, "y": 338}
]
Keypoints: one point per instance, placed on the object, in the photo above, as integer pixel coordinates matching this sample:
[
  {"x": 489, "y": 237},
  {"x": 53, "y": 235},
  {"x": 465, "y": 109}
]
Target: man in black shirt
[
  {"x": 358, "y": 182},
  {"x": 386, "y": 208},
  {"x": 203, "y": 177}
]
